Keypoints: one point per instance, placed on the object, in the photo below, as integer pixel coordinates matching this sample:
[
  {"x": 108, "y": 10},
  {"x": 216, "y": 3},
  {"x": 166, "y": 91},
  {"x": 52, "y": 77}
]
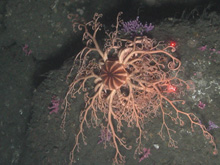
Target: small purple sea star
[
  {"x": 54, "y": 107},
  {"x": 201, "y": 105},
  {"x": 146, "y": 153}
]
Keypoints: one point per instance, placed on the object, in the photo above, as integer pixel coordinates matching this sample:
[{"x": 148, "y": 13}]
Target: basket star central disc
[{"x": 113, "y": 74}]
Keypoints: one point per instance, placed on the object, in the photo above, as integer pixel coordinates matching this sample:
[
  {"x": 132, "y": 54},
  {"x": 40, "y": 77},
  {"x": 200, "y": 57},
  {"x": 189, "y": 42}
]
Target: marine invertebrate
[
  {"x": 113, "y": 74},
  {"x": 133, "y": 80}
]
